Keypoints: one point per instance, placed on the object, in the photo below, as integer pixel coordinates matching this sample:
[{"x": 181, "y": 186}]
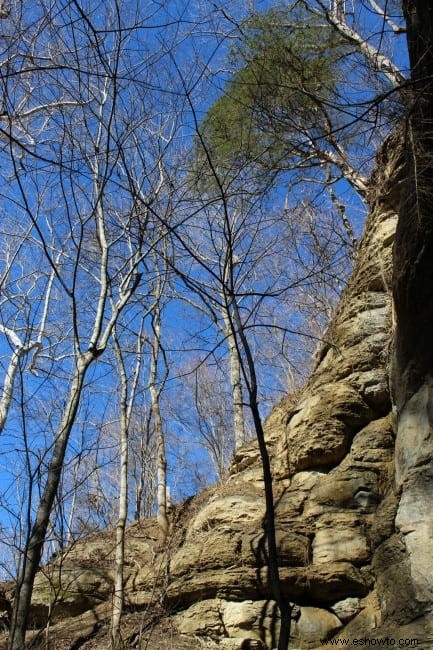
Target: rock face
[
  {"x": 412, "y": 368},
  {"x": 348, "y": 545}
]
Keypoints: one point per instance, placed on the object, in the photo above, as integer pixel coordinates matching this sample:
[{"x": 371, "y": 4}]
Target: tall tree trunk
[
  {"x": 127, "y": 400},
  {"x": 31, "y": 558},
  {"x": 155, "y": 392},
  {"x": 143, "y": 483},
  {"x": 249, "y": 372},
  {"x": 236, "y": 385},
  {"x": 119, "y": 560},
  {"x": 8, "y": 385}
]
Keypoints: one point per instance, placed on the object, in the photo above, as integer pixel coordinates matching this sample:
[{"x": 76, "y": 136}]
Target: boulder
[
  {"x": 203, "y": 618},
  {"x": 314, "y": 625},
  {"x": 253, "y": 619},
  {"x": 347, "y": 609},
  {"x": 337, "y": 544}
]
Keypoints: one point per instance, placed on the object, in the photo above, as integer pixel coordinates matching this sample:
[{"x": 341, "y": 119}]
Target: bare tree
[
  {"x": 335, "y": 12},
  {"x": 84, "y": 231},
  {"x": 225, "y": 275},
  {"x": 156, "y": 384},
  {"x": 224, "y": 279},
  {"x": 206, "y": 414},
  {"x": 142, "y": 463},
  {"x": 24, "y": 336},
  {"x": 128, "y": 392},
  {"x": 235, "y": 382}
]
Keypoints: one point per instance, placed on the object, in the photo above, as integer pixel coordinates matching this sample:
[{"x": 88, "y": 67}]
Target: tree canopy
[
  {"x": 298, "y": 91},
  {"x": 285, "y": 70}
]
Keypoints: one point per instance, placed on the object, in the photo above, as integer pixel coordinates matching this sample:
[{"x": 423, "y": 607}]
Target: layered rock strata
[{"x": 333, "y": 460}]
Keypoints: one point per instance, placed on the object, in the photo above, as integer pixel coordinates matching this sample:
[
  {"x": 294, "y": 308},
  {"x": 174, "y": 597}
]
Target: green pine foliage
[{"x": 285, "y": 68}]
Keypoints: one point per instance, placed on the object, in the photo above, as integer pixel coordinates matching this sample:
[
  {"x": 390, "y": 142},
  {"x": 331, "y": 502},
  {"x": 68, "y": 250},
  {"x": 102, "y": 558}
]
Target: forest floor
[{"x": 81, "y": 633}]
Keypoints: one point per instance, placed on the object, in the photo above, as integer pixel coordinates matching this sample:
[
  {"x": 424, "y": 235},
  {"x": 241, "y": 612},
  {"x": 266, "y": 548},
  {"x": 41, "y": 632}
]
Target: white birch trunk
[
  {"x": 126, "y": 406},
  {"x": 119, "y": 562},
  {"x": 235, "y": 384},
  {"x": 336, "y": 17},
  {"x": 155, "y": 392},
  {"x": 8, "y": 385}
]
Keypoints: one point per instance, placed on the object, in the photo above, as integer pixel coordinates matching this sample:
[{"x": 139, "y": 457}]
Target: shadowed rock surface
[{"x": 343, "y": 557}]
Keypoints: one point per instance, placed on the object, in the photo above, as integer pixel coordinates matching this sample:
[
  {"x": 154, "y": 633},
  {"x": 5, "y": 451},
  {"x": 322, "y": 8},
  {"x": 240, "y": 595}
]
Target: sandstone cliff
[{"x": 345, "y": 559}]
